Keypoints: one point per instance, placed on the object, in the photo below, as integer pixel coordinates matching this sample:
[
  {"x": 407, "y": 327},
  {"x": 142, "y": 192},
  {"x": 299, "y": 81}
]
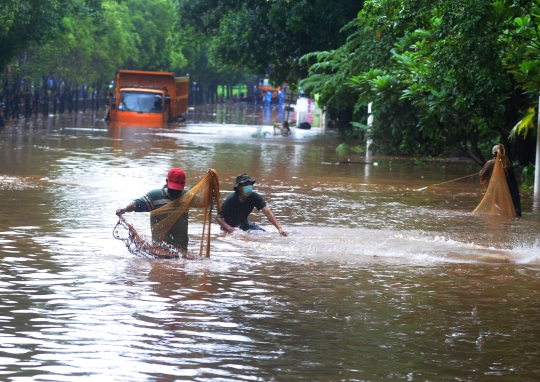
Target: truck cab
[{"x": 148, "y": 98}]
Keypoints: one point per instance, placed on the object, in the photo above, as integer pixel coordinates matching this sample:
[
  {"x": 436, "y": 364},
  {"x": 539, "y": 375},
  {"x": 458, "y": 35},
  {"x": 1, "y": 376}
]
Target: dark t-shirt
[
  {"x": 154, "y": 199},
  {"x": 235, "y": 213}
]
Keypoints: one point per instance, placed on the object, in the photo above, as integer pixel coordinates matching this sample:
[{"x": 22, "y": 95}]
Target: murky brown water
[{"x": 376, "y": 281}]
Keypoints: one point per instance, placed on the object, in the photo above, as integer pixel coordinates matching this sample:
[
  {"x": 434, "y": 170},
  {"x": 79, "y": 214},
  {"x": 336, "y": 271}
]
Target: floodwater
[{"x": 376, "y": 281}]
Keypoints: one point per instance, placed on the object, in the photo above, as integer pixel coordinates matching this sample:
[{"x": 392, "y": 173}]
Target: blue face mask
[{"x": 247, "y": 190}]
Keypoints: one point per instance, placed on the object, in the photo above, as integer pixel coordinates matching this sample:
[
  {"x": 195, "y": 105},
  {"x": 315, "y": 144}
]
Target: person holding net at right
[{"x": 508, "y": 179}]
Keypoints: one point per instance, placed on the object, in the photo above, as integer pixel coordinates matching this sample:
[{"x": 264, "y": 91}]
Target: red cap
[{"x": 176, "y": 179}]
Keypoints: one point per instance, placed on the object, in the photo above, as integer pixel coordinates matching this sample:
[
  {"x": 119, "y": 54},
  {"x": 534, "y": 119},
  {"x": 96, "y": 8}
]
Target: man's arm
[
  {"x": 270, "y": 215},
  {"x": 129, "y": 208},
  {"x": 223, "y": 224},
  {"x": 485, "y": 173}
]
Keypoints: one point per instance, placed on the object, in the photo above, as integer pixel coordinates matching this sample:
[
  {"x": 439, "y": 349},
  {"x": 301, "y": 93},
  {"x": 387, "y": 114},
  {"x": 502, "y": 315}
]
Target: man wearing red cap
[{"x": 174, "y": 187}]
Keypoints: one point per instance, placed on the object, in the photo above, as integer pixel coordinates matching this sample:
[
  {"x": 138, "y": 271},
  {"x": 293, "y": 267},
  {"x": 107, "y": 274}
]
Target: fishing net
[
  {"x": 169, "y": 223},
  {"x": 497, "y": 200}
]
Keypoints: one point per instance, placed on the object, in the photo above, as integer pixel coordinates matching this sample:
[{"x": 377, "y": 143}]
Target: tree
[
  {"x": 258, "y": 34},
  {"x": 521, "y": 56},
  {"x": 330, "y": 74},
  {"x": 86, "y": 50},
  {"x": 449, "y": 66},
  {"x": 130, "y": 35},
  {"x": 448, "y": 69},
  {"x": 24, "y": 23},
  {"x": 154, "y": 23}
]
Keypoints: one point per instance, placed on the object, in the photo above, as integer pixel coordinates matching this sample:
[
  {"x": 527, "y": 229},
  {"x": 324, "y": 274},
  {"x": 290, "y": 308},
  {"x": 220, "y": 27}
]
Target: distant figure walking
[
  {"x": 267, "y": 99},
  {"x": 281, "y": 97}
]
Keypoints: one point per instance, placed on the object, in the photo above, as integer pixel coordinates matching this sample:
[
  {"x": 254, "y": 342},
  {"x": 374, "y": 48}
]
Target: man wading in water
[
  {"x": 487, "y": 170},
  {"x": 237, "y": 207},
  {"x": 174, "y": 188}
]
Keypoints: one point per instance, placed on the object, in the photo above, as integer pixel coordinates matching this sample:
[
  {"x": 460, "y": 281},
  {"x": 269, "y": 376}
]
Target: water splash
[{"x": 365, "y": 246}]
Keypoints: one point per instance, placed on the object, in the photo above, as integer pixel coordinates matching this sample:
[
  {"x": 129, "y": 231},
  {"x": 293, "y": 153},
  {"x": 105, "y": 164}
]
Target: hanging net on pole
[
  {"x": 497, "y": 201},
  {"x": 169, "y": 223}
]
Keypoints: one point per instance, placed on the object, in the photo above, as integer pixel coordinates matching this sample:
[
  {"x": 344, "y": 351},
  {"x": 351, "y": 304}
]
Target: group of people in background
[{"x": 259, "y": 97}]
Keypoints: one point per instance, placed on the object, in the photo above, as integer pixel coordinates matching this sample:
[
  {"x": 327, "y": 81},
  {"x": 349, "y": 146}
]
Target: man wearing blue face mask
[{"x": 237, "y": 207}]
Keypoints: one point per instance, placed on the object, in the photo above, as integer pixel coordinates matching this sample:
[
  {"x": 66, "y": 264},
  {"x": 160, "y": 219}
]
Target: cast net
[
  {"x": 169, "y": 224},
  {"x": 497, "y": 200}
]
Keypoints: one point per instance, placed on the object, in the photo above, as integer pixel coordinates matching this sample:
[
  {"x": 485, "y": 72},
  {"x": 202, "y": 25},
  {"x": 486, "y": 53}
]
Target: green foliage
[
  {"x": 523, "y": 126},
  {"x": 26, "y": 23},
  {"x": 342, "y": 148},
  {"x": 520, "y": 56},
  {"x": 358, "y": 149},
  {"x": 91, "y": 45},
  {"x": 527, "y": 176},
  {"x": 331, "y": 71},
  {"x": 153, "y": 23},
  {"x": 441, "y": 69},
  {"x": 358, "y": 130},
  {"x": 445, "y": 79},
  {"x": 345, "y": 148},
  {"x": 82, "y": 53},
  {"x": 522, "y": 44},
  {"x": 258, "y": 34}
]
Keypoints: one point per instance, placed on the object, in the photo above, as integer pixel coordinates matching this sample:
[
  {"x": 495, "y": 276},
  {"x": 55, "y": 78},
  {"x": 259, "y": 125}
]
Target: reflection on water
[{"x": 376, "y": 280}]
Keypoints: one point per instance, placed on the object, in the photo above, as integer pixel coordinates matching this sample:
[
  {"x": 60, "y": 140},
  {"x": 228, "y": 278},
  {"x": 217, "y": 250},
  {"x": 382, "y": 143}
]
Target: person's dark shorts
[{"x": 248, "y": 226}]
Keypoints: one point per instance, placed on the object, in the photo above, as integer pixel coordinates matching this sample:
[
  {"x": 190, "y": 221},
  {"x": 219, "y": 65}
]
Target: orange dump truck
[{"x": 148, "y": 98}]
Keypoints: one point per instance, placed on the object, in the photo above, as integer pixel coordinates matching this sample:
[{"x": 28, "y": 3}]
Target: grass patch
[{"x": 345, "y": 148}]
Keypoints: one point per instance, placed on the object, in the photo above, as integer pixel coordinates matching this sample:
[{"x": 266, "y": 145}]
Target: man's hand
[
  {"x": 223, "y": 224},
  {"x": 129, "y": 208},
  {"x": 270, "y": 215}
]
